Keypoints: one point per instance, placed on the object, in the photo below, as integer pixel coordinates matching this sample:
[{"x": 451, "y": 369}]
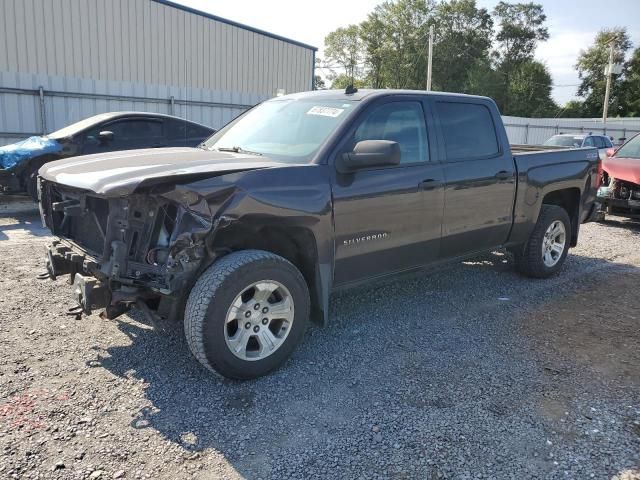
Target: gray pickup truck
[{"x": 246, "y": 237}]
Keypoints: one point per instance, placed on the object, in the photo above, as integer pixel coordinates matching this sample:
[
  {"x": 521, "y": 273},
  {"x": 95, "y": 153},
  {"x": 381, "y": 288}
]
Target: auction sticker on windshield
[{"x": 325, "y": 111}]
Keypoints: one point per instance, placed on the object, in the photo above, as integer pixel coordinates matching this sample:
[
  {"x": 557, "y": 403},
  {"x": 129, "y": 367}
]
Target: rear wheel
[
  {"x": 246, "y": 314},
  {"x": 548, "y": 244}
]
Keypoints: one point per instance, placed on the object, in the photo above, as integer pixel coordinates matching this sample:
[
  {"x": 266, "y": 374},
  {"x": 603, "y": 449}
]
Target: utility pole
[
  {"x": 430, "y": 59},
  {"x": 605, "y": 107}
]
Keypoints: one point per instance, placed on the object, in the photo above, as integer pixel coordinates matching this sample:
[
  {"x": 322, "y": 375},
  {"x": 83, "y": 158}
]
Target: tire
[
  {"x": 532, "y": 261},
  {"x": 244, "y": 277}
]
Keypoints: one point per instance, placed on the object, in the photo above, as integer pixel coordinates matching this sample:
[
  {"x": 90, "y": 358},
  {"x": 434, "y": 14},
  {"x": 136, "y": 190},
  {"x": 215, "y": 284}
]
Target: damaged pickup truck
[
  {"x": 620, "y": 190},
  {"x": 246, "y": 237}
]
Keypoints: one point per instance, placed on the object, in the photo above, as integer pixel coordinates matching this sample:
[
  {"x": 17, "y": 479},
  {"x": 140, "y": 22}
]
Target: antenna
[{"x": 350, "y": 90}]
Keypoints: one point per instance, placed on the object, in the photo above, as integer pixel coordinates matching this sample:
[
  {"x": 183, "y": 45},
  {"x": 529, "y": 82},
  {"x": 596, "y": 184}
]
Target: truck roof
[{"x": 360, "y": 94}]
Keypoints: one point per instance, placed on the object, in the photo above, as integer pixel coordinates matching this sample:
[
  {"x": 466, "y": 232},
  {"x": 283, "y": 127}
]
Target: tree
[
  {"x": 404, "y": 41},
  {"x": 521, "y": 27},
  {"x": 343, "y": 48},
  {"x": 342, "y": 81},
  {"x": 372, "y": 32},
  {"x": 463, "y": 41},
  {"x": 318, "y": 83},
  {"x": 630, "y": 87},
  {"x": 591, "y": 65},
  {"x": 572, "y": 109},
  {"x": 530, "y": 91}
]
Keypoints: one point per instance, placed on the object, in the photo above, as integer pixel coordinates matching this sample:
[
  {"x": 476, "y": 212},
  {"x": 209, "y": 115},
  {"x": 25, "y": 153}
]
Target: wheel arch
[
  {"x": 297, "y": 244},
  {"x": 569, "y": 200}
]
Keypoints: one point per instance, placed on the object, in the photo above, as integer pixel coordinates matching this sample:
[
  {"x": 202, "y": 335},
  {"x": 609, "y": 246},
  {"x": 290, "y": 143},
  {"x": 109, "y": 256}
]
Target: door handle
[
  {"x": 504, "y": 175},
  {"x": 429, "y": 184}
]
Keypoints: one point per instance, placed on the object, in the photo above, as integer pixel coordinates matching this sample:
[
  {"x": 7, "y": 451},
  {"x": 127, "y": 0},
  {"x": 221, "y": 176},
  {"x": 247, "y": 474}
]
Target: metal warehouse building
[{"x": 63, "y": 60}]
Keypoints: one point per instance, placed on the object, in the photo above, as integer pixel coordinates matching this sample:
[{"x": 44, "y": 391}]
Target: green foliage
[
  {"x": 572, "y": 109},
  {"x": 318, "y": 83},
  {"x": 463, "y": 42},
  {"x": 343, "y": 48},
  {"x": 630, "y": 87},
  {"x": 520, "y": 28},
  {"x": 342, "y": 81},
  {"x": 529, "y": 91},
  {"x": 591, "y": 66},
  {"x": 389, "y": 50}
]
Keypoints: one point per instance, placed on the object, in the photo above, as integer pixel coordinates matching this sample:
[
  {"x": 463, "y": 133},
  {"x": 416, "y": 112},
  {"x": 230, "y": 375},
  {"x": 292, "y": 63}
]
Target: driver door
[{"x": 388, "y": 219}]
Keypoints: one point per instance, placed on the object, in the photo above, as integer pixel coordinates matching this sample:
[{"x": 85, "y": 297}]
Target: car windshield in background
[
  {"x": 289, "y": 130},
  {"x": 74, "y": 128},
  {"x": 564, "y": 141},
  {"x": 631, "y": 149}
]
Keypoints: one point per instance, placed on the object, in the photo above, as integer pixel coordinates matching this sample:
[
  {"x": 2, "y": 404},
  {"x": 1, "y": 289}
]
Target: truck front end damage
[{"x": 136, "y": 250}]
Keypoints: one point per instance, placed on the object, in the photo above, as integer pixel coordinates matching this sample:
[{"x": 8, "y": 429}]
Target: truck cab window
[
  {"x": 401, "y": 122},
  {"x": 468, "y": 130}
]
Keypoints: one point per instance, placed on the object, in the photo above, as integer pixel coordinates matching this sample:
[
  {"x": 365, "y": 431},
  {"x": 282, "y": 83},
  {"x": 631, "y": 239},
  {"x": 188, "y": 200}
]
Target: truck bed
[{"x": 517, "y": 148}]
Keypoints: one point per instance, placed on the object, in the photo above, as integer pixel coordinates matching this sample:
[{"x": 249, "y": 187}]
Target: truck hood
[
  {"x": 120, "y": 173},
  {"x": 622, "y": 168}
]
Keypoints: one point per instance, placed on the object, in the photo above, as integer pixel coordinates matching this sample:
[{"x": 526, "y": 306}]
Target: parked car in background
[
  {"x": 620, "y": 190},
  {"x": 107, "y": 132},
  {"x": 298, "y": 197},
  {"x": 601, "y": 142}
]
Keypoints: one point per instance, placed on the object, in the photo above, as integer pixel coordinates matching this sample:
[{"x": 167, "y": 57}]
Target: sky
[{"x": 572, "y": 25}]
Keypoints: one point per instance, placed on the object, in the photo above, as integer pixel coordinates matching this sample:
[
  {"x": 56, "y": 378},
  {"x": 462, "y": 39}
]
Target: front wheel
[
  {"x": 548, "y": 244},
  {"x": 246, "y": 314}
]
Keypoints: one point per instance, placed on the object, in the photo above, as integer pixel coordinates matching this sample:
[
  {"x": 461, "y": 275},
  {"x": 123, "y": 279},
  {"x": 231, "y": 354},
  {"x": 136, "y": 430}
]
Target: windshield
[
  {"x": 631, "y": 149},
  {"x": 289, "y": 130},
  {"x": 564, "y": 141},
  {"x": 74, "y": 128}
]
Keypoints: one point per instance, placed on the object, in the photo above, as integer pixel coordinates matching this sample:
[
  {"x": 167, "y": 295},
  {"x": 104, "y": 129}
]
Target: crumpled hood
[
  {"x": 120, "y": 173},
  {"x": 621, "y": 168},
  {"x": 16, "y": 153}
]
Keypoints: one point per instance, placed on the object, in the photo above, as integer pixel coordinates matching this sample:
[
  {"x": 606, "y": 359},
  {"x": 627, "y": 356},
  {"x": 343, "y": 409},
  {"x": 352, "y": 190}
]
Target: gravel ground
[{"x": 472, "y": 372}]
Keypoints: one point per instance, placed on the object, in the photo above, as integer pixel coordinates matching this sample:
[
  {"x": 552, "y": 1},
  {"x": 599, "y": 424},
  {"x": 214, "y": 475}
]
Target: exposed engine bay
[
  {"x": 117, "y": 249},
  {"x": 619, "y": 196}
]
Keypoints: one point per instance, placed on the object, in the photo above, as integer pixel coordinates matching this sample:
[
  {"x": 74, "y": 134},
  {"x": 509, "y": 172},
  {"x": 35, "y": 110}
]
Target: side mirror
[
  {"x": 610, "y": 152},
  {"x": 105, "y": 136},
  {"x": 369, "y": 153}
]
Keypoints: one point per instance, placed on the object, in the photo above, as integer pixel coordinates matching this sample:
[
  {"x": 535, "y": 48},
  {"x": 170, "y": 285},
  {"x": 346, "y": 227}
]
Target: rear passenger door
[
  {"x": 479, "y": 174},
  {"x": 388, "y": 219}
]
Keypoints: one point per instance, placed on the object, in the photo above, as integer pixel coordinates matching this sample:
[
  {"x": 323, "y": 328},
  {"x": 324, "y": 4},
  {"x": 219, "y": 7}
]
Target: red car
[{"x": 620, "y": 190}]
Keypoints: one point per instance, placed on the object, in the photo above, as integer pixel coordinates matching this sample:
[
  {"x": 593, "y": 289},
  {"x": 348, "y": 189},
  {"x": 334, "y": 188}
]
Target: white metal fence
[
  {"x": 37, "y": 104},
  {"x": 534, "y": 131}
]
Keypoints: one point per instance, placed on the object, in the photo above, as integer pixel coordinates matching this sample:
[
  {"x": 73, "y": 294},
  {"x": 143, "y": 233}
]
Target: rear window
[
  {"x": 564, "y": 141},
  {"x": 183, "y": 129},
  {"x": 468, "y": 130}
]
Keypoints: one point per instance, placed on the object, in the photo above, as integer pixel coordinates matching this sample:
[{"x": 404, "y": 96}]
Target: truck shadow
[
  {"x": 622, "y": 223},
  {"x": 410, "y": 357}
]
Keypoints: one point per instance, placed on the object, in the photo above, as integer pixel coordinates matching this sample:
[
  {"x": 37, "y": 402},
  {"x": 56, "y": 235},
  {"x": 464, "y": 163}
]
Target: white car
[{"x": 601, "y": 142}]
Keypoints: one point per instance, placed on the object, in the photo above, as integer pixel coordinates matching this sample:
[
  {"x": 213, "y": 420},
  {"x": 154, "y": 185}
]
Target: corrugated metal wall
[
  {"x": 534, "y": 131},
  {"x": 142, "y": 48}
]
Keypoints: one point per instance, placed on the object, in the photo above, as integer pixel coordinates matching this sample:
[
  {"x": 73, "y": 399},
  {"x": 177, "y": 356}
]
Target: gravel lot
[{"x": 472, "y": 372}]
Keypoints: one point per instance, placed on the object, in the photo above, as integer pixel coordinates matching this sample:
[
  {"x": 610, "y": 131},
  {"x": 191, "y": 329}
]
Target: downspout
[{"x": 313, "y": 72}]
